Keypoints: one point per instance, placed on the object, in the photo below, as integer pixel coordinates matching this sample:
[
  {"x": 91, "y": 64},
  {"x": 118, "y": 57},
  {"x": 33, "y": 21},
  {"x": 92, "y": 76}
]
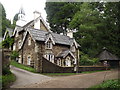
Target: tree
[
  {"x": 4, "y": 21},
  {"x": 59, "y": 14},
  {"x": 15, "y": 17},
  {"x": 87, "y": 21}
]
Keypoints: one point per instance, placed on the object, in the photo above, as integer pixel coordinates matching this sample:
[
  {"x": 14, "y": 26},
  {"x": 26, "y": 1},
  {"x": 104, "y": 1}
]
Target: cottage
[
  {"x": 108, "y": 58},
  {"x": 34, "y": 40}
]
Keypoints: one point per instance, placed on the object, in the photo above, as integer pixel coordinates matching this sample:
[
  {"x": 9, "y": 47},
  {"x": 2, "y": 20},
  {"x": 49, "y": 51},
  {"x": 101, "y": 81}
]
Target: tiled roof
[
  {"x": 64, "y": 53},
  {"x": 105, "y": 55},
  {"x": 40, "y": 35}
]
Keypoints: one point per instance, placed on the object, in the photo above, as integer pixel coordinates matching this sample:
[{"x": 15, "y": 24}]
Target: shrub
[
  {"x": 109, "y": 84},
  {"x": 7, "y": 79},
  {"x": 7, "y": 42},
  {"x": 5, "y": 70},
  {"x": 86, "y": 60},
  {"x": 14, "y": 55}
]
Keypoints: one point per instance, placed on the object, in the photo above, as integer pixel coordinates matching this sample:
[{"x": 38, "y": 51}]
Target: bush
[
  {"x": 5, "y": 70},
  {"x": 7, "y": 42},
  {"x": 14, "y": 55},
  {"x": 109, "y": 84},
  {"x": 86, "y": 60},
  {"x": 7, "y": 79}
]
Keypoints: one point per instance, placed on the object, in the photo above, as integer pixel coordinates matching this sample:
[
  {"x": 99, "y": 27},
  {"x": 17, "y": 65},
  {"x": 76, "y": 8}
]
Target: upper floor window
[
  {"x": 14, "y": 46},
  {"x": 49, "y": 45},
  {"x": 29, "y": 41}
]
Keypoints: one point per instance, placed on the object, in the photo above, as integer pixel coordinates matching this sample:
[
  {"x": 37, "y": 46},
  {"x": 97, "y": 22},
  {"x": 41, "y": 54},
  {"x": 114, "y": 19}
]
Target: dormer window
[
  {"x": 29, "y": 41},
  {"x": 19, "y": 44},
  {"x": 49, "y": 45}
]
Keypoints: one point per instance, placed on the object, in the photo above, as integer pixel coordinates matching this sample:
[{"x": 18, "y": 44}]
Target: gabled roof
[
  {"x": 64, "y": 53},
  {"x": 9, "y": 31},
  {"x": 41, "y": 35},
  {"x": 106, "y": 55}
]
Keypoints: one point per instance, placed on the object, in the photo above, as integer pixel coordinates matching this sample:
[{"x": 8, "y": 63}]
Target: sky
[{"x": 12, "y": 7}]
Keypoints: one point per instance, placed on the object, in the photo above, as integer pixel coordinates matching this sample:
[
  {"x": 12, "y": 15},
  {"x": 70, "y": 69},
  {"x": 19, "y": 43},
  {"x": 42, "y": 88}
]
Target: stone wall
[
  {"x": 49, "y": 67},
  {"x": 28, "y": 50},
  {"x": 16, "y": 39},
  {"x": 43, "y": 27}
]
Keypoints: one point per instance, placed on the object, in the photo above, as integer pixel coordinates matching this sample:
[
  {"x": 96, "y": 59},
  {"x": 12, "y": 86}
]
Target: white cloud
[{"x": 12, "y": 7}]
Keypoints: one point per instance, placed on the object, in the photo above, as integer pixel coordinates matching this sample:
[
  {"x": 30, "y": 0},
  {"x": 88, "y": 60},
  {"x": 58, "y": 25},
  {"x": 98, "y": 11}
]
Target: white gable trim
[
  {"x": 26, "y": 33},
  {"x": 74, "y": 42},
  {"x": 5, "y": 35},
  {"x": 50, "y": 37},
  {"x": 70, "y": 54}
]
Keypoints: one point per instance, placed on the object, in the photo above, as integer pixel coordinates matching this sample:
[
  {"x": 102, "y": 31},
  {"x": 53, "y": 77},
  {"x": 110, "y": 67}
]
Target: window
[
  {"x": 19, "y": 59},
  {"x": 68, "y": 61},
  {"x": 49, "y": 45},
  {"x": 19, "y": 44},
  {"x": 29, "y": 41},
  {"x": 14, "y": 46},
  {"x": 28, "y": 60},
  {"x": 49, "y": 57},
  {"x": 36, "y": 47}
]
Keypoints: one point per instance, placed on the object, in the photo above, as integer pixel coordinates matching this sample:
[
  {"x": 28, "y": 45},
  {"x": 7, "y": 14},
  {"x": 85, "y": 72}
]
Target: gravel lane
[
  {"x": 24, "y": 78},
  {"x": 27, "y": 79},
  {"x": 77, "y": 81}
]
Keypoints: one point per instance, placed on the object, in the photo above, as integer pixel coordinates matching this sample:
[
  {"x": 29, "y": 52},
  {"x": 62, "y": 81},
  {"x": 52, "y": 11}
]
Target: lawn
[
  {"x": 14, "y": 63},
  {"x": 67, "y": 74},
  {"x": 109, "y": 84}
]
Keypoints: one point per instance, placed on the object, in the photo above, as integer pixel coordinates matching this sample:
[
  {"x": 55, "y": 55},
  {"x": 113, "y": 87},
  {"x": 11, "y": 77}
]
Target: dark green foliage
[
  {"x": 6, "y": 70},
  {"x": 95, "y": 29},
  {"x": 15, "y": 17},
  {"x": 86, "y": 60},
  {"x": 59, "y": 14},
  {"x": 14, "y": 63},
  {"x": 7, "y": 79},
  {"x": 7, "y": 42},
  {"x": 109, "y": 84},
  {"x": 4, "y": 21},
  {"x": 14, "y": 55}
]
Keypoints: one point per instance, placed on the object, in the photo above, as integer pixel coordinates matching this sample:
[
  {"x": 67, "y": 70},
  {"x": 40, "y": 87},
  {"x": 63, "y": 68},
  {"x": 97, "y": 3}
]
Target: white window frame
[
  {"x": 14, "y": 46},
  {"x": 48, "y": 45},
  {"x": 20, "y": 59},
  {"x": 68, "y": 62},
  {"x": 28, "y": 60},
  {"x": 36, "y": 47}
]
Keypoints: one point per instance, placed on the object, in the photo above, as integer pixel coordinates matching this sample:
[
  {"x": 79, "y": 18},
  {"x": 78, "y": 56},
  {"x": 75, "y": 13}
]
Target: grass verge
[
  {"x": 7, "y": 80},
  {"x": 67, "y": 74},
  {"x": 109, "y": 84},
  {"x": 14, "y": 63}
]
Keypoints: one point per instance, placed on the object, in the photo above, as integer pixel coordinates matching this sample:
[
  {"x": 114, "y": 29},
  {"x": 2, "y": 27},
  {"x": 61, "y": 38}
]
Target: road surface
[
  {"x": 27, "y": 79},
  {"x": 24, "y": 77}
]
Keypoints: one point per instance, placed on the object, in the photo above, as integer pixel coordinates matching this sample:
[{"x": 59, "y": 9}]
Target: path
[{"x": 26, "y": 79}]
